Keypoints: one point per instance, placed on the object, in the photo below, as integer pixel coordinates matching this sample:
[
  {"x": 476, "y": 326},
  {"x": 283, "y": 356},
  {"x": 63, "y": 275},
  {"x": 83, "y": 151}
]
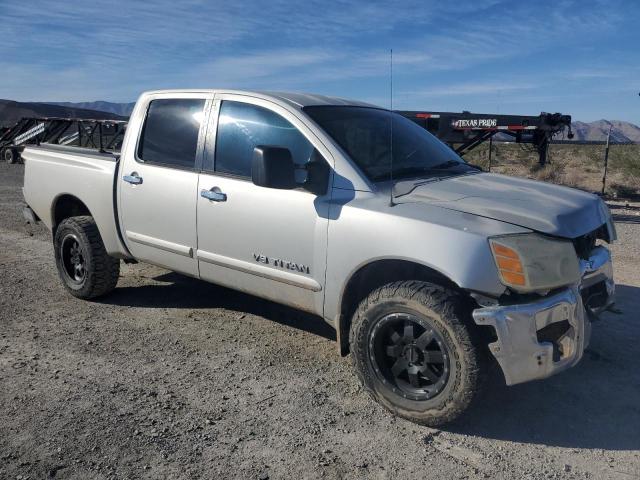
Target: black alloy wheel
[
  {"x": 85, "y": 268},
  {"x": 417, "y": 352},
  {"x": 409, "y": 356},
  {"x": 73, "y": 259}
]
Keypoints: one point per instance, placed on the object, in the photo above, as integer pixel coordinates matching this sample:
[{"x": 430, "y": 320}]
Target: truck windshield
[{"x": 364, "y": 134}]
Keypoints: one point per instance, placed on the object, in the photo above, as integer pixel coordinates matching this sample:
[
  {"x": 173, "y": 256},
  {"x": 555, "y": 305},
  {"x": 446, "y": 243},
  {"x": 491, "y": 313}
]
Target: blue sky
[{"x": 576, "y": 57}]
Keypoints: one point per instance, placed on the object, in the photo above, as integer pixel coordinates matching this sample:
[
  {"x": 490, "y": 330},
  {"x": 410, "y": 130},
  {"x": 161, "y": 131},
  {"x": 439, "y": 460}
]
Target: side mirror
[
  {"x": 272, "y": 167},
  {"x": 317, "y": 174}
]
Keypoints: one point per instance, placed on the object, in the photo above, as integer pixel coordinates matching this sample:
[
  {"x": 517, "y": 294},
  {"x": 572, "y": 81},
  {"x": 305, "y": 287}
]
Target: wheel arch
[
  {"x": 65, "y": 206},
  {"x": 373, "y": 274}
]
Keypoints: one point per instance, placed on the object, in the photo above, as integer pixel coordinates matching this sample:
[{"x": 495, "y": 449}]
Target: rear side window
[
  {"x": 242, "y": 127},
  {"x": 170, "y": 132}
]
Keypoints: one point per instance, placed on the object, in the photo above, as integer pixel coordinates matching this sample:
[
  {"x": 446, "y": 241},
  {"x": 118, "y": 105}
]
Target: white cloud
[
  {"x": 479, "y": 88},
  {"x": 87, "y": 51}
]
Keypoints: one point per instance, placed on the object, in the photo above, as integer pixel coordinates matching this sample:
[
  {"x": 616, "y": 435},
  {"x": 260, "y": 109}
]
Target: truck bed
[{"x": 58, "y": 173}]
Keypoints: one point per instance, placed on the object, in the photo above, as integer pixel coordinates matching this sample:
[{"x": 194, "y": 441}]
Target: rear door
[
  {"x": 159, "y": 181},
  {"x": 264, "y": 241}
]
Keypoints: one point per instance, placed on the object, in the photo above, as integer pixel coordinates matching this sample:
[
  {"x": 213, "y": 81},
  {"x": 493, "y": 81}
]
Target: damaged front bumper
[{"x": 544, "y": 337}]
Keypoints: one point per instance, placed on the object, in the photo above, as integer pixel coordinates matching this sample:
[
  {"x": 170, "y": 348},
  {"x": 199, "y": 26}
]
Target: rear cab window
[{"x": 170, "y": 132}]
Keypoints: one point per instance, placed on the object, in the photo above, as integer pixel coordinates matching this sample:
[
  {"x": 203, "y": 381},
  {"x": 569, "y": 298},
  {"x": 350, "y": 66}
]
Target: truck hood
[{"x": 543, "y": 207}]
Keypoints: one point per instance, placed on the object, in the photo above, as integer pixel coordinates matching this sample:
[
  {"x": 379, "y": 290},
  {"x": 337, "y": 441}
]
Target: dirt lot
[{"x": 173, "y": 378}]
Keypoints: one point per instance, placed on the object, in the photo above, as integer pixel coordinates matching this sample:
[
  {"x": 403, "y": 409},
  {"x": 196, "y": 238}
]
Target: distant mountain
[
  {"x": 623, "y": 132},
  {"x": 123, "y": 109},
  {"x": 11, "y": 112}
]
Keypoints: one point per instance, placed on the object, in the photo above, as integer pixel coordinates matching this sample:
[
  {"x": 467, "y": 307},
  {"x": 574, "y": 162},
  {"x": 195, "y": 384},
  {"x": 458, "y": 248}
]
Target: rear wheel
[
  {"x": 83, "y": 265},
  {"x": 414, "y": 352},
  {"x": 10, "y": 155}
]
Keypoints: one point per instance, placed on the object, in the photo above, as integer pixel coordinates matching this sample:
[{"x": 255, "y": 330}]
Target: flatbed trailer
[
  {"x": 103, "y": 135},
  {"x": 464, "y": 131}
]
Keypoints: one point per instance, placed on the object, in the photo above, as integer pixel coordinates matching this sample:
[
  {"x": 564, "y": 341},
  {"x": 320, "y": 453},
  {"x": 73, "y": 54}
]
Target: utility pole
[{"x": 606, "y": 160}]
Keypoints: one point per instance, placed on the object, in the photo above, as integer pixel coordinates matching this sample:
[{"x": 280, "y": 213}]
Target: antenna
[{"x": 391, "y": 203}]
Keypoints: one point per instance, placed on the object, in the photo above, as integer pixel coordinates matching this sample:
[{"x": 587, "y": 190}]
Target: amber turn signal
[
  {"x": 509, "y": 264},
  {"x": 504, "y": 251}
]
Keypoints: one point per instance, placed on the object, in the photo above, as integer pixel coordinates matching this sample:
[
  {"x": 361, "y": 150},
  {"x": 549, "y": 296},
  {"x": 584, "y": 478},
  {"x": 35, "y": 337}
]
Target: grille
[
  {"x": 595, "y": 296},
  {"x": 587, "y": 242}
]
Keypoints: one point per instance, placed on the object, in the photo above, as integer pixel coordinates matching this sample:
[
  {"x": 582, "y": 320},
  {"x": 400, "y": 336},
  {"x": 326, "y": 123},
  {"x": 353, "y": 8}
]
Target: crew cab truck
[{"x": 426, "y": 266}]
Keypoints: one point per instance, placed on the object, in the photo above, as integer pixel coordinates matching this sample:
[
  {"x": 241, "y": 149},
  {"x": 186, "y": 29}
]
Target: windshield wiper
[
  {"x": 403, "y": 172},
  {"x": 454, "y": 163},
  {"x": 446, "y": 165},
  {"x": 477, "y": 167}
]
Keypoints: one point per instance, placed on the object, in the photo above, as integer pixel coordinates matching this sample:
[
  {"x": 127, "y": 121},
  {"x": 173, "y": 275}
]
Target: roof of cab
[
  {"x": 297, "y": 100},
  {"x": 309, "y": 99}
]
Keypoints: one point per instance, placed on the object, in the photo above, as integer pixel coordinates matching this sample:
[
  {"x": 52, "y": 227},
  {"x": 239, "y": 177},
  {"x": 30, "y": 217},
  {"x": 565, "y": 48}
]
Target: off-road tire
[
  {"x": 10, "y": 156},
  {"x": 101, "y": 270},
  {"x": 450, "y": 315}
]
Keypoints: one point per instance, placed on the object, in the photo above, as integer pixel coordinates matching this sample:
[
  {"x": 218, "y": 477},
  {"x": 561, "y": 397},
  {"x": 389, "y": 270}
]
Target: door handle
[
  {"x": 214, "y": 195},
  {"x": 133, "y": 179}
]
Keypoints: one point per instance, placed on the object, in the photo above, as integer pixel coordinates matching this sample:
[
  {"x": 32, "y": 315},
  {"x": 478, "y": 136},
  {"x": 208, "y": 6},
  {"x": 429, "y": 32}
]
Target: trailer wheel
[
  {"x": 83, "y": 265},
  {"x": 10, "y": 156},
  {"x": 414, "y": 352}
]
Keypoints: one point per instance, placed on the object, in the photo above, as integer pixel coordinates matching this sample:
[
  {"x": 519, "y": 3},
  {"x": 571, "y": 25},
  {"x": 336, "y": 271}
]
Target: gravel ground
[{"x": 169, "y": 377}]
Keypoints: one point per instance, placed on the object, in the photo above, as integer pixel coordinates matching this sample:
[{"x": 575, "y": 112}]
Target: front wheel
[
  {"x": 414, "y": 352},
  {"x": 85, "y": 268}
]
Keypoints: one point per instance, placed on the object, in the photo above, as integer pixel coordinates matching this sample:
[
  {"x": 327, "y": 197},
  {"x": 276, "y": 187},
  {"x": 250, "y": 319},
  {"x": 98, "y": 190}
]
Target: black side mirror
[
  {"x": 317, "y": 174},
  {"x": 272, "y": 167}
]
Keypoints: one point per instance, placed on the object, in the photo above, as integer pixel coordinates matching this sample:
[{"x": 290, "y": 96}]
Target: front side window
[
  {"x": 242, "y": 127},
  {"x": 366, "y": 134},
  {"x": 170, "y": 132}
]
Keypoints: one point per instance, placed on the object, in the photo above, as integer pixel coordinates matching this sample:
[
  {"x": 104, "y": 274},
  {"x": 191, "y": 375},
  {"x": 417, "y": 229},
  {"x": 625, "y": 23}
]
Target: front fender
[{"x": 452, "y": 243}]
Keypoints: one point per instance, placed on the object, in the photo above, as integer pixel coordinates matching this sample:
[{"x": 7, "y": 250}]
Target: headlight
[{"x": 531, "y": 262}]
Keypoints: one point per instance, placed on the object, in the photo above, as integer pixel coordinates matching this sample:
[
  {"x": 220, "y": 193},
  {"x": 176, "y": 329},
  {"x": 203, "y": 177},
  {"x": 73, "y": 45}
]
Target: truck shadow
[
  {"x": 628, "y": 218},
  {"x": 594, "y": 405},
  {"x": 625, "y": 213},
  {"x": 179, "y": 291}
]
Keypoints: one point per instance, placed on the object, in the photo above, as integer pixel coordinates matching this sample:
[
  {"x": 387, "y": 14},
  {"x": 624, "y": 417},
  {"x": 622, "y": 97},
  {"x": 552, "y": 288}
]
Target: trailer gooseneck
[{"x": 464, "y": 131}]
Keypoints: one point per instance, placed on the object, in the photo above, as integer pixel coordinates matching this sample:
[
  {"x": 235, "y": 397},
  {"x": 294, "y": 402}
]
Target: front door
[
  {"x": 267, "y": 242},
  {"x": 159, "y": 183}
]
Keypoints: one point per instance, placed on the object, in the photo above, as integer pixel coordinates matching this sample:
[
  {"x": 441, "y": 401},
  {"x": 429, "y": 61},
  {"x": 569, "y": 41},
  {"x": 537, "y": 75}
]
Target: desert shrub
[
  {"x": 578, "y": 166},
  {"x": 625, "y": 158},
  {"x": 619, "y": 190},
  {"x": 574, "y": 178},
  {"x": 552, "y": 172}
]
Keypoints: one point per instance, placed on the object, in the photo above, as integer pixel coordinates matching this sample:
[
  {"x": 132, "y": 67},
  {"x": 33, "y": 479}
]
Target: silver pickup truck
[{"x": 427, "y": 267}]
